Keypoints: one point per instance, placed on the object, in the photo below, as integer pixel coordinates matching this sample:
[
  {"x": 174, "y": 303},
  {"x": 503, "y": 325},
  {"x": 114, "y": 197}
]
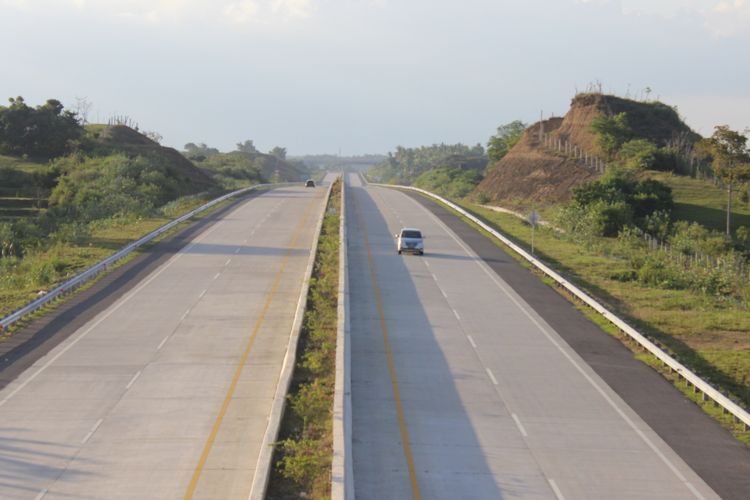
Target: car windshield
[{"x": 411, "y": 234}]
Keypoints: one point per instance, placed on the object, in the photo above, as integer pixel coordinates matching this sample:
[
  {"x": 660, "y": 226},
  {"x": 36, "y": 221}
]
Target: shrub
[
  {"x": 657, "y": 272},
  {"x": 639, "y": 154},
  {"x": 649, "y": 196},
  {"x": 691, "y": 238},
  {"x": 612, "y": 132}
]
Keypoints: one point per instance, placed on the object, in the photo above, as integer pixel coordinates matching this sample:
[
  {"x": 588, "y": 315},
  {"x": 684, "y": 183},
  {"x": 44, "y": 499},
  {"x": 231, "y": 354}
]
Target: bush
[
  {"x": 98, "y": 188},
  {"x": 639, "y": 154},
  {"x": 650, "y": 196},
  {"x": 612, "y": 132},
  {"x": 449, "y": 181},
  {"x": 691, "y": 238},
  {"x": 657, "y": 272},
  {"x": 620, "y": 200}
]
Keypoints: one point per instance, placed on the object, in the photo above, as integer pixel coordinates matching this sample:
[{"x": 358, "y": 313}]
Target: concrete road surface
[
  {"x": 461, "y": 390},
  {"x": 166, "y": 393}
]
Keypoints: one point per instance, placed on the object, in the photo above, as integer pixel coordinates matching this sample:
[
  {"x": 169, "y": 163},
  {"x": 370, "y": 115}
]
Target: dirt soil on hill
[{"x": 530, "y": 175}]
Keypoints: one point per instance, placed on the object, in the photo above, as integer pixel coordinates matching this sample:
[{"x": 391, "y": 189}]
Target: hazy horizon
[{"x": 363, "y": 76}]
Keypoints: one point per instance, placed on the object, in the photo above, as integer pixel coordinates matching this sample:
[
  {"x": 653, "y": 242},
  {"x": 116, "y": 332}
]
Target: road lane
[
  {"x": 127, "y": 406},
  {"x": 495, "y": 403}
]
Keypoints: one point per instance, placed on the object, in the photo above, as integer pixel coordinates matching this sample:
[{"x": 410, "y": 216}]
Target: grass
[
  {"x": 701, "y": 201},
  {"x": 24, "y": 165},
  {"x": 304, "y": 453},
  {"x": 707, "y": 334}
]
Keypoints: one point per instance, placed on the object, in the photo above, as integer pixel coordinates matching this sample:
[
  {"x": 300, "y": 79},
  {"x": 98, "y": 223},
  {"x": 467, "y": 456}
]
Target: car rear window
[{"x": 411, "y": 234}]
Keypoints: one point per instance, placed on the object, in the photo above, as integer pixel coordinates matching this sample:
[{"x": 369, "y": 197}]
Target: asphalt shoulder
[{"x": 708, "y": 448}]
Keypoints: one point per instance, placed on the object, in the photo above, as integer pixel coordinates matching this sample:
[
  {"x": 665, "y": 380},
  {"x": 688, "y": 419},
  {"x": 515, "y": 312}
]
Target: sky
[{"x": 363, "y": 76}]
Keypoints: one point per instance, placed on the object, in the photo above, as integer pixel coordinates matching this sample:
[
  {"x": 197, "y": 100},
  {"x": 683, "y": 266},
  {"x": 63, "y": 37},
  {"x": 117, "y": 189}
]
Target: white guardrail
[
  {"x": 740, "y": 414},
  {"x": 96, "y": 269}
]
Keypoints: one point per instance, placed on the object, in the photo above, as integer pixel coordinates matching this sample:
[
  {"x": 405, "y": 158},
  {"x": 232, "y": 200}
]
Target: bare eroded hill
[{"x": 557, "y": 154}]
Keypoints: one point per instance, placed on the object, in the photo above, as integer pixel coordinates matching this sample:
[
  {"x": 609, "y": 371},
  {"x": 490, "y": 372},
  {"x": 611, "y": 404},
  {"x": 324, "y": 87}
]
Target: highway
[
  {"x": 461, "y": 389},
  {"x": 165, "y": 393}
]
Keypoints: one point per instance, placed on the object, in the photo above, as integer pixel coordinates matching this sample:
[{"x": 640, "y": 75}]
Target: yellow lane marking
[
  {"x": 389, "y": 357},
  {"x": 246, "y": 353}
]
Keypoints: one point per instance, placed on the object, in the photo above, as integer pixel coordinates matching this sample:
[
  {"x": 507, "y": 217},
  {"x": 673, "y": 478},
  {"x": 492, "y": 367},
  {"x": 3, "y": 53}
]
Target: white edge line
[
  {"x": 519, "y": 425},
  {"x": 471, "y": 341},
  {"x": 132, "y": 380},
  {"x": 161, "y": 344},
  {"x": 554, "y": 487},
  {"x": 203, "y": 293},
  {"x": 492, "y": 376},
  {"x": 92, "y": 431},
  {"x": 216, "y": 276},
  {"x": 455, "y": 313},
  {"x": 41, "y": 494},
  {"x": 184, "y": 315}
]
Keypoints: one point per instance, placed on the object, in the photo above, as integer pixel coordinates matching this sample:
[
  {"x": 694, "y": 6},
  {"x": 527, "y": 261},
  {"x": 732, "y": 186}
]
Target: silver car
[{"x": 411, "y": 240}]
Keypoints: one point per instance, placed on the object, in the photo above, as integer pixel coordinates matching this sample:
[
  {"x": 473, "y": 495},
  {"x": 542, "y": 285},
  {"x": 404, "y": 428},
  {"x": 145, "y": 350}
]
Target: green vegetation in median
[{"x": 304, "y": 453}]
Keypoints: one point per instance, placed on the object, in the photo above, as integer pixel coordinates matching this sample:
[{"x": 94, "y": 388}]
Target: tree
[
  {"x": 730, "y": 161},
  {"x": 247, "y": 147},
  {"x": 278, "y": 152},
  {"x": 82, "y": 109},
  {"x": 506, "y": 137},
  {"x": 154, "y": 136},
  {"x": 47, "y": 130}
]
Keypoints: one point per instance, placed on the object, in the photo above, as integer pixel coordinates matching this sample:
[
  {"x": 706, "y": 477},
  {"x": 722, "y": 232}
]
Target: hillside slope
[
  {"x": 108, "y": 139},
  {"x": 542, "y": 171}
]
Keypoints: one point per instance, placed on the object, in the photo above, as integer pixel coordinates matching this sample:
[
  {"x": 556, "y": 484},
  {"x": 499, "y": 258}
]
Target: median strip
[{"x": 303, "y": 454}]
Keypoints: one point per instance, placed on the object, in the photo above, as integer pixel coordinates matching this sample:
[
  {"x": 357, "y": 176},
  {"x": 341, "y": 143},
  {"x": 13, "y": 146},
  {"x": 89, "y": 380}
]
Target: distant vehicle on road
[
  {"x": 410, "y": 240},
  {"x": 309, "y": 183}
]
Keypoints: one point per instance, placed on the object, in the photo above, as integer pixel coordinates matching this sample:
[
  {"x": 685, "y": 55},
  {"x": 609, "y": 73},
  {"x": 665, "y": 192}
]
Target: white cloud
[
  {"x": 175, "y": 11},
  {"x": 722, "y": 18},
  {"x": 729, "y": 18},
  {"x": 293, "y": 8},
  {"x": 241, "y": 12}
]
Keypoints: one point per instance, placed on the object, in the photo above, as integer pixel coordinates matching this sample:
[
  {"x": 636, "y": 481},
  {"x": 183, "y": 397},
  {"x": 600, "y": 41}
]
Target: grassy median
[{"x": 302, "y": 457}]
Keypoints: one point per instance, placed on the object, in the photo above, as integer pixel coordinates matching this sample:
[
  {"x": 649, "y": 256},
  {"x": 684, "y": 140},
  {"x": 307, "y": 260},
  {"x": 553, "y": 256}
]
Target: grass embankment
[
  {"x": 43, "y": 269},
  {"x": 707, "y": 333},
  {"x": 702, "y": 202},
  {"x": 303, "y": 455}
]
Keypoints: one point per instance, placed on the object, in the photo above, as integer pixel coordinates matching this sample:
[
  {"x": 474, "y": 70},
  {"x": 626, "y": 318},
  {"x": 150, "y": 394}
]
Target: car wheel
[{"x": 399, "y": 252}]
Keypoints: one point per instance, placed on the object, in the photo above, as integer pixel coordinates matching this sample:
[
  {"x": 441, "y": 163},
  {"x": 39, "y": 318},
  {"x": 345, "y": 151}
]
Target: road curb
[
  {"x": 264, "y": 466},
  {"x": 342, "y": 475}
]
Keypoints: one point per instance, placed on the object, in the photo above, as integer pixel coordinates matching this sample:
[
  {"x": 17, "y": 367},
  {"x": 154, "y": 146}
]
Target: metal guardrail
[
  {"x": 740, "y": 414},
  {"x": 103, "y": 265}
]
